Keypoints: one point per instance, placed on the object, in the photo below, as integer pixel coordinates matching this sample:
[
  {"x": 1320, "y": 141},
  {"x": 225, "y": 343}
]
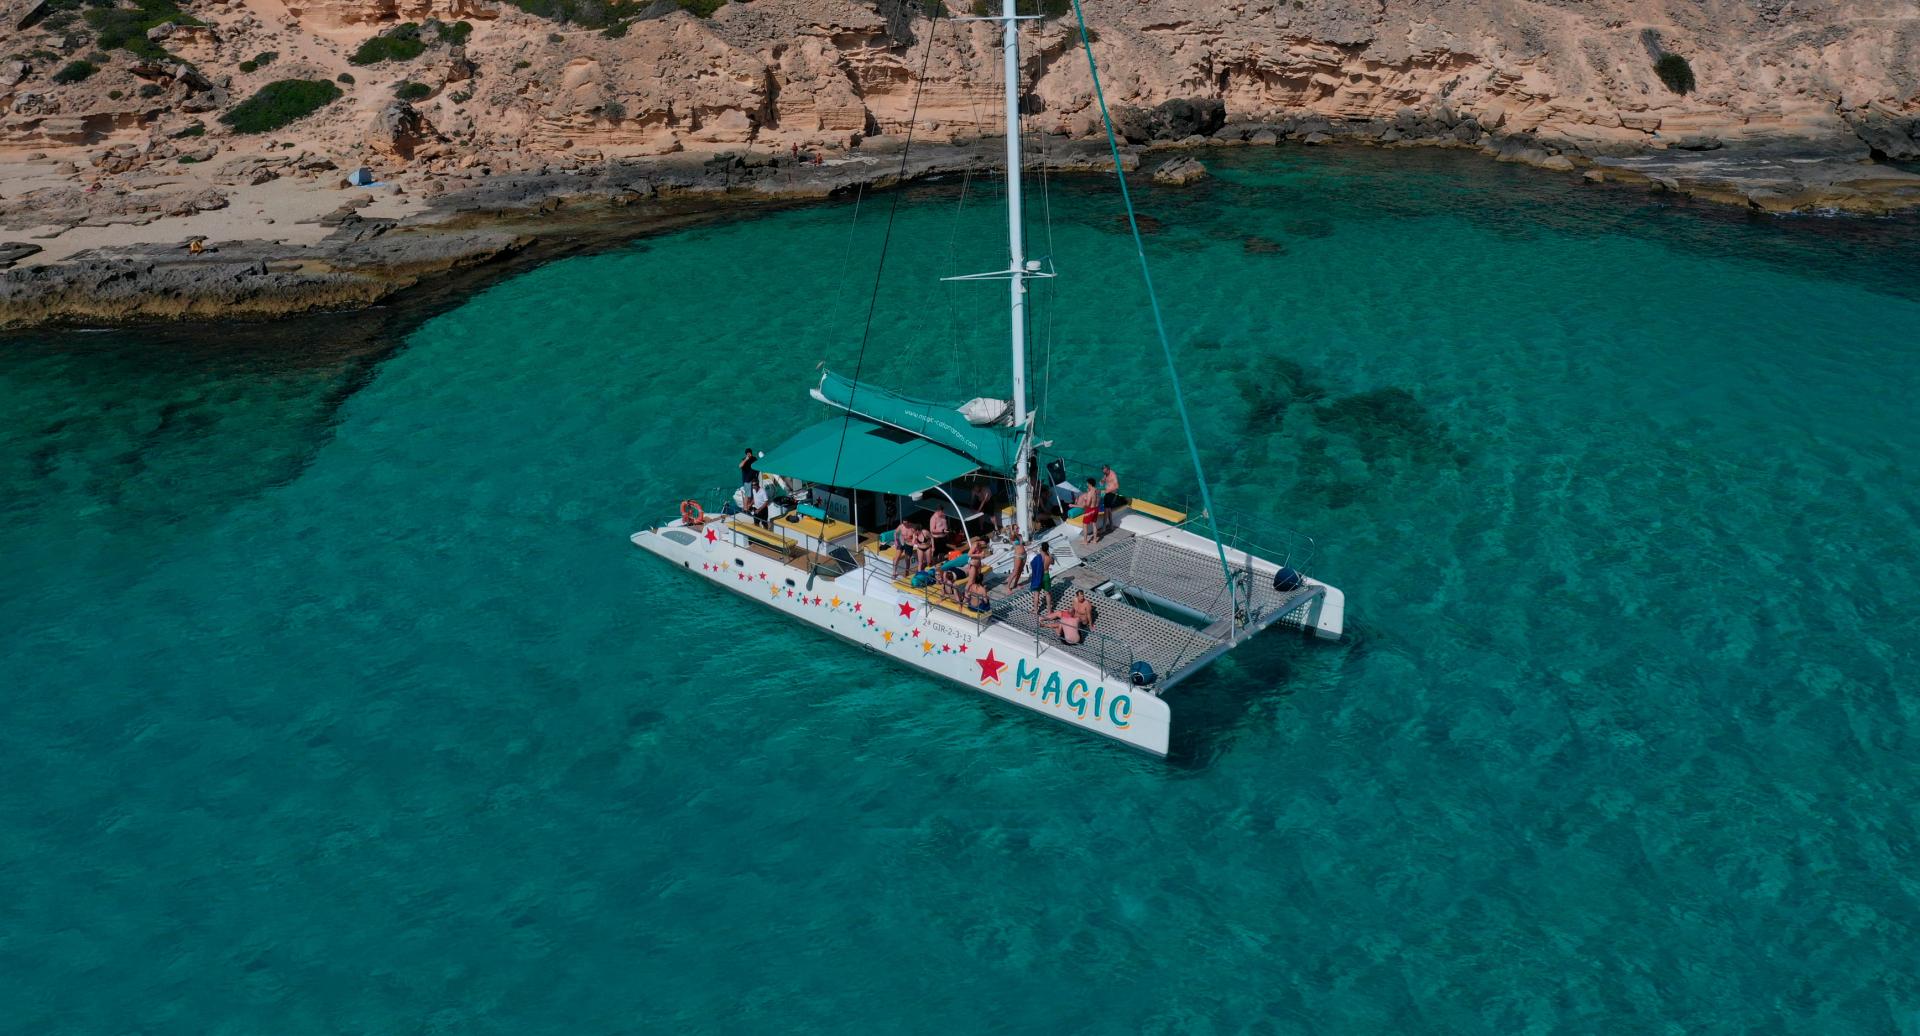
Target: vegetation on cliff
[
  {"x": 400, "y": 43},
  {"x": 75, "y": 72},
  {"x": 1674, "y": 71},
  {"x": 279, "y": 103},
  {"x": 611, "y": 15},
  {"x": 122, "y": 28}
]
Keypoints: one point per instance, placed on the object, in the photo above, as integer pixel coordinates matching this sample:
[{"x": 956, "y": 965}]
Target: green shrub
[
  {"x": 249, "y": 66},
  {"x": 598, "y": 14},
  {"x": 151, "y": 90},
  {"x": 279, "y": 103},
  {"x": 120, "y": 28},
  {"x": 75, "y": 72},
  {"x": 411, "y": 91},
  {"x": 522, "y": 64},
  {"x": 400, "y": 43},
  {"x": 190, "y": 159},
  {"x": 614, "y": 111},
  {"x": 114, "y": 95},
  {"x": 344, "y": 77},
  {"x": 265, "y": 58},
  {"x": 1674, "y": 71},
  {"x": 456, "y": 33},
  {"x": 198, "y": 129}
]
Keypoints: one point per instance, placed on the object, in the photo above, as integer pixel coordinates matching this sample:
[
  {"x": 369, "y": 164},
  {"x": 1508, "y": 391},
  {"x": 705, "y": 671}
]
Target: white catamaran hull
[{"x": 998, "y": 660}]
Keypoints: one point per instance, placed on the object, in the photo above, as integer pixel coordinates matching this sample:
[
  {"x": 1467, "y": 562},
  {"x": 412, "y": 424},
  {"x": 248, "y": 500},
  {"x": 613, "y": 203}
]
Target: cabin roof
[{"x": 874, "y": 457}]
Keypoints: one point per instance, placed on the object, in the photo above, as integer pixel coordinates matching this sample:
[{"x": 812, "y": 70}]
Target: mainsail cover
[{"x": 995, "y": 447}]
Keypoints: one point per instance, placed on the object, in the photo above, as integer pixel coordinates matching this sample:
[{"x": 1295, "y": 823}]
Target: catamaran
[{"x": 1167, "y": 591}]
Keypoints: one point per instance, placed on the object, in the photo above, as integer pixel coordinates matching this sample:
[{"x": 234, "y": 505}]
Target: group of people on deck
[
  {"x": 929, "y": 551},
  {"x": 960, "y": 574},
  {"x": 1096, "y": 504}
]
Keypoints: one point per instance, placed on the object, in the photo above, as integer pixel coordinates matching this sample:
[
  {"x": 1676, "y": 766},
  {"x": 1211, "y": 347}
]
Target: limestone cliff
[{"x": 511, "y": 91}]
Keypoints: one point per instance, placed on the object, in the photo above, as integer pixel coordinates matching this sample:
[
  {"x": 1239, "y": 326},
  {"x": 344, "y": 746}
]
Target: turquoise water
[{"x": 336, "y": 700}]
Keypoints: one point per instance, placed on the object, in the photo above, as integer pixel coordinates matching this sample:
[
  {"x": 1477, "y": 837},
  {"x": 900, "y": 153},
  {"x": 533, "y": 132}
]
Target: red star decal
[
  {"x": 990, "y": 667},
  {"x": 916, "y": 634},
  {"x": 856, "y": 607},
  {"x": 711, "y": 538},
  {"x": 906, "y": 610},
  {"x": 963, "y": 649}
]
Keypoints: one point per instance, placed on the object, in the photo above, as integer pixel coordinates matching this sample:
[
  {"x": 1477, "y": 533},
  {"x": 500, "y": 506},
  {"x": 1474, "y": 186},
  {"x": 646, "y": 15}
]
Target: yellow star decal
[
  {"x": 926, "y": 647},
  {"x": 836, "y": 602},
  {"x": 773, "y": 590},
  {"x": 887, "y": 635}
]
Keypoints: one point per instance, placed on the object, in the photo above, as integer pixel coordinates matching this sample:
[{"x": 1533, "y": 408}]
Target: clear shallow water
[{"x": 337, "y": 701}]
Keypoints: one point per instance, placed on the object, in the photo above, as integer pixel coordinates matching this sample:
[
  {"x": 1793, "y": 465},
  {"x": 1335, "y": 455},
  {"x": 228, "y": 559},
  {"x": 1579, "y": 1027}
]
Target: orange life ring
[{"x": 691, "y": 513}]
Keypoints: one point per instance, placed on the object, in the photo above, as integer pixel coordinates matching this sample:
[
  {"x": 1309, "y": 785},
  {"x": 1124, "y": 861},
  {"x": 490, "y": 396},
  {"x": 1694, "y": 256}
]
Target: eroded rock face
[
  {"x": 338, "y": 13},
  {"x": 399, "y": 131}
]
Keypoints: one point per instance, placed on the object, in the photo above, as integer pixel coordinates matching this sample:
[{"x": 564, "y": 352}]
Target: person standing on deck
[
  {"x": 759, "y": 503},
  {"x": 1089, "y": 504},
  {"x": 937, "y": 529},
  {"x": 1040, "y": 579},
  {"x": 1110, "y": 496},
  {"x": 1019, "y": 569},
  {"x": 902, "y": 548},
  {"x": 748, "y": 476}
]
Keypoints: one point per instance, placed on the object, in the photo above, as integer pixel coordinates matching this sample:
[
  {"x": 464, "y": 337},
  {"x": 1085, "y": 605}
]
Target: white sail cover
[{"x": 983, "y": 411}]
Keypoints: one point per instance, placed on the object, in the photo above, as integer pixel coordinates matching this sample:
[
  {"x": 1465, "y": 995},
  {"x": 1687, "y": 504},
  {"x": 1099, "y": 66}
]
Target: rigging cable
[
  {"x": 886, "y": 239},
  {"x": 1153, "y": 299}
]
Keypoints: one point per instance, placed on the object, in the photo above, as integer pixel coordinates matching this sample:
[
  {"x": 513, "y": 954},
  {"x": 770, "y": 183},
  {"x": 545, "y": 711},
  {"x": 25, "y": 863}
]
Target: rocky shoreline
[{"x": 533, "y": 216}]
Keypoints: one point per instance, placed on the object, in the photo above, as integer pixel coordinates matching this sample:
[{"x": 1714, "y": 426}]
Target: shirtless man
[
  {"x": 1089, "y": 503},
  {"x": 1083, "y": 609},
  {"x": 937, "y": 530}
]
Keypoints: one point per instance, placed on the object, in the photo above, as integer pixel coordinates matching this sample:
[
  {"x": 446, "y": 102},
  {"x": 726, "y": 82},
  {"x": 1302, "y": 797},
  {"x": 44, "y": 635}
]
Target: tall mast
[{"x": 1017, "y": 270}]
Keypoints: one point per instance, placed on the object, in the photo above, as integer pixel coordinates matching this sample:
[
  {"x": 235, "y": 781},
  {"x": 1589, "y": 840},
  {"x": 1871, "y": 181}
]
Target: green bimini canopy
[
  {"x": 875, "y": 458},
  {"x": 994, "y": 446}
]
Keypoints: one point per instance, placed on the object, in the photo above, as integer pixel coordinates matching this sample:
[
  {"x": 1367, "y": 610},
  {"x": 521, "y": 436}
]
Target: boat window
[
  {"x": 789, "y": 582},
  {"x": 677, "y": 536},
  {"x": 737, "y": 563}
]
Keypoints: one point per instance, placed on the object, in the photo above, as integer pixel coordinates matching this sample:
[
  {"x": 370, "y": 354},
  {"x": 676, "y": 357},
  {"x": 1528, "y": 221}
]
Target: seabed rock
[{"x": 1180, "y": 172}]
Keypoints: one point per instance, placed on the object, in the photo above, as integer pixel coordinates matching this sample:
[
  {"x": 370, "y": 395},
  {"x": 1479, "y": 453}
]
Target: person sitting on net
[
  {"x": 1083, "y": 608},
  {"x": 1066, "y": 623}
]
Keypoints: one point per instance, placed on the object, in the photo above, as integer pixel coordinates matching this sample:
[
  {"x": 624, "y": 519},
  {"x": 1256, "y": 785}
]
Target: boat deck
[
  {"x": 1189, "y": 578},
  {"x": 1121, "y": 632}
]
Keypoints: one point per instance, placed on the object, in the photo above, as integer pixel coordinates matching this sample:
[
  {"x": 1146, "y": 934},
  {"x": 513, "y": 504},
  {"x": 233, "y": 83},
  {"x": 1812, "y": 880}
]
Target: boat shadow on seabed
[{"x": 1247, "y": 691}]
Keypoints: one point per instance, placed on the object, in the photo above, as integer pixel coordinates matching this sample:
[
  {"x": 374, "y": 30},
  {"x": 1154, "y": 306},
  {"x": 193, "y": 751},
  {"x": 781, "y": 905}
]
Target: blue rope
[{"x": 1159, "y": 323}]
